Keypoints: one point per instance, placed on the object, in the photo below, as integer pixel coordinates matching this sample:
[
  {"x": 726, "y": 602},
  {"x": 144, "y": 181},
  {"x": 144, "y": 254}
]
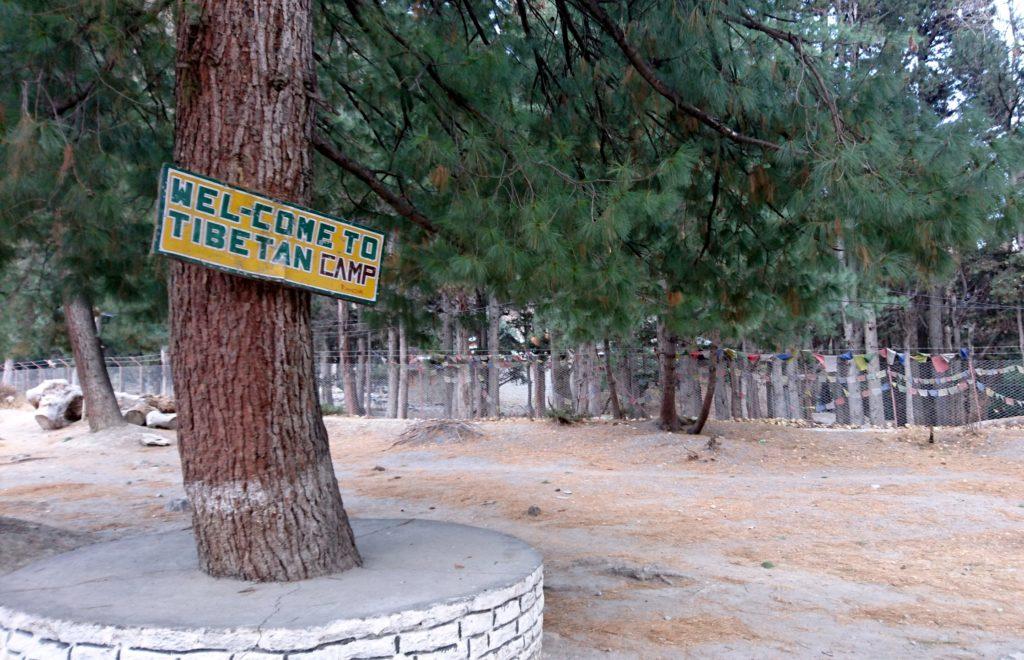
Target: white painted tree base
[{"x": 427, "y": 590}]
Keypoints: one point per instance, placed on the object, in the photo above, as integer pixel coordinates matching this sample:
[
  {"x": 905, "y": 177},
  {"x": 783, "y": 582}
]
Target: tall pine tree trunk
[
  {"x": 258, "y": 474},
  {"x": 101, "y": 410},
  {"x": 876, "y": 405},
  {"x": 668, "y": 417},
  {"x": 493, "y": 370},
  {"x": 346, "y": 361}
]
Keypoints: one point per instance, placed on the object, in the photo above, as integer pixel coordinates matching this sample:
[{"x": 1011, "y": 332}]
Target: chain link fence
[{"x": 580, "y": 382}]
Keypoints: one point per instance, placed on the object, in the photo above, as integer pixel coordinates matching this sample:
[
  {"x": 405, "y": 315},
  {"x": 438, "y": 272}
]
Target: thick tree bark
[
  {"x": 493, "y": 371},
  {"x": 259, "y": 477},
  {"x": 392, "y": 372},
  {"x": 794, "y": 388},
  {"x": 101, "y": 410},
  {"x": 668, "y": 417},
  {"x": 613, "y": 390},
  {"x": 346, "y": 362}
]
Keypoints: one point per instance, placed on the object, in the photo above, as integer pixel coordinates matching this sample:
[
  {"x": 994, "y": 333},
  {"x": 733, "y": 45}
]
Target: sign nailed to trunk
[{"x": 248, "y": 234}]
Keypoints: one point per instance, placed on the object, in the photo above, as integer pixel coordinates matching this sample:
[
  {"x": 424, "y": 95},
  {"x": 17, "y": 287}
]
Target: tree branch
[
  {"x": 398, "y": 202},
  {"x": 644, "y": 68}
]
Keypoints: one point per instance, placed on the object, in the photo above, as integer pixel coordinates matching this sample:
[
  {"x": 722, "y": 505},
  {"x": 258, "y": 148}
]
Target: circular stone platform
[{"x": 426, "y": 590}]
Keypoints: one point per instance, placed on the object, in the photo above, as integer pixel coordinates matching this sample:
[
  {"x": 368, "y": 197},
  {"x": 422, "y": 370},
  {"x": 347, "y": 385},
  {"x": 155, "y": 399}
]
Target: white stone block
[
  {"x": 507, "y": 612},
  {"x": 477, "y": 622},
  {"x": 478, "y": 646},
  {"x": 93, "y": 652},
  {"x": 502, "y": 634},
  {"x": 491, "y": 599},
  {"x": 48, "y": 649},
  {"x": 19, "y": 641},
  {"x": 429, "y": 639},
  {"x": 206, "y": 655},
  {"x": 513, "y": 649}
]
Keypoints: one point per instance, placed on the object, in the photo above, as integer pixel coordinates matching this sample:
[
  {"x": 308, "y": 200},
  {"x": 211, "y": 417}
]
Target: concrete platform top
[{"x": 154, "y": 581}]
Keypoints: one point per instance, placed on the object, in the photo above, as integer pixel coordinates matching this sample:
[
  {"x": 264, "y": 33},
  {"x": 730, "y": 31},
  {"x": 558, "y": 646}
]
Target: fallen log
[
  {"x": 158, "y": 420},
  {"x": 59, "y": 407},
  {"x": 137, "y": 414},
  {"x": 34, "y": 395}
]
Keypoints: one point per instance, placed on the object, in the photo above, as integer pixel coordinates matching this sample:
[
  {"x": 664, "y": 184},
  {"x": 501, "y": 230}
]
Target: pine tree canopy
[{"x": 599, "y": 162}]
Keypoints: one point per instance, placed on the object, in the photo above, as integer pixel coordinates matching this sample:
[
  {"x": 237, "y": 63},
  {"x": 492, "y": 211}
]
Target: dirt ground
[{"x": 777, "y": 542}]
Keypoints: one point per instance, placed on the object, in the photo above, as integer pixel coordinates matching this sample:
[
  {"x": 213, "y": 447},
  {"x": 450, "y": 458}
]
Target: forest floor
[{"x": 778, "y": 542}]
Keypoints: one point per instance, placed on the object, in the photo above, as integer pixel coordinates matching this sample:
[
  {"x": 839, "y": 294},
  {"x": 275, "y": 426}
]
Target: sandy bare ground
[{"x": 779, "y": 542}]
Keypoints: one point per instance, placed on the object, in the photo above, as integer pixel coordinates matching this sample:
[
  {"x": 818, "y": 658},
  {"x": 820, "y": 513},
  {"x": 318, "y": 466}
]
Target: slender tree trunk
[
  {"x": 101, "y": 409},
  {"x": 403, "y": 371},
  {"x": 560, "y": 390},
  {"x": 594, "y": 404},
  {"x": 366, "y": 370},
  {"x": 392, "y": 371},
  {"x": 935, "y": 343},
  {"x": 736, "y": 398},
  {"x": 876, "y": 405},
  {"x": 326, "y": 385},
  {"x": 8, "y": 377},
  {"x": 539, "y": 388},
  {"x": 668, "y": 418},
  {"x": 493, "y": 370},
  {"x": 854, "y": 410},
  {"x": 794, "y": 387},
  {"x": 254, "y": 451},
  {"x": 165, "y": 372},
  {"x": 528, "y": 368},
  {"x": 909, "y": 340},
  {"x": 709, "y": 395},
  {"x": 346, "y": 361},
  {"x": 722, "y": 393},
  {"x": 778, "y": 391},
  {"x": 447, "y": 349},
  {"x": 1020, "y": 330},
  {"x": 463, "y": 409},
  {"x": 613, "y": 392}
]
